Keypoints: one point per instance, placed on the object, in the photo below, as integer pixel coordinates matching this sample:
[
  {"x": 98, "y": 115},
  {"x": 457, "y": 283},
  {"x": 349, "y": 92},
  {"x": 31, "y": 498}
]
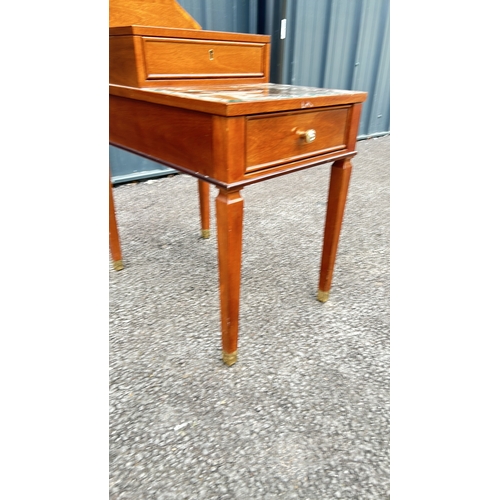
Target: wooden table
[{"x": 232, "y": 136}]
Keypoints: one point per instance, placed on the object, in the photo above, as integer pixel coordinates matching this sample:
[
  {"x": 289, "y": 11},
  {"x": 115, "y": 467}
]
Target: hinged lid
[{"x": 193, "y": 34}]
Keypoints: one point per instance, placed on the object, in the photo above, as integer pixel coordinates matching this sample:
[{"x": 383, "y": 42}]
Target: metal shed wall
[
  {"x": 340, "y": 44},
  {"x": 224, "y": 15},
  {"x": 329, "y": 43}
]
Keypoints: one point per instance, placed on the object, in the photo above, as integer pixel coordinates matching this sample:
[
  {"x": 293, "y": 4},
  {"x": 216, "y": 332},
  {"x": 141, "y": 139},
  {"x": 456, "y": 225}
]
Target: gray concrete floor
[{"x": 304, "y": 413}]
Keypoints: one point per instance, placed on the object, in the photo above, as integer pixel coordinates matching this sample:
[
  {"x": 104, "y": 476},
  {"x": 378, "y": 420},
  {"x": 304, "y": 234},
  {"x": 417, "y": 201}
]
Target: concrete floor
[{"x": 304, "y": 413}]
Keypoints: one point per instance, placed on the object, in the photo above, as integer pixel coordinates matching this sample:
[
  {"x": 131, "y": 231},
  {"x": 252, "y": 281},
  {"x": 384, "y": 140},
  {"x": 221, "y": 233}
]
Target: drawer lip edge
[
  {"x": 297, "y": 111},
  {"x": 207, "y": 41},
  {"x": 177, "y": 76},
  {"x": 264, "y": 166}
]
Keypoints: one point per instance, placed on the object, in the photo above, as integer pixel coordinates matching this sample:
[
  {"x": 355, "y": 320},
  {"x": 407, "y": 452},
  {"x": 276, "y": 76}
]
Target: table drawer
[
  {"x": 181, "y": 58},
  {"x": 277, "y": 138}
]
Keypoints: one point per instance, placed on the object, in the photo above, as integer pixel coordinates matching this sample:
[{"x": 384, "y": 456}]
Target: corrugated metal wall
[
  {"x": 238, "y": 16},
  {"x": 329, "y": 43},
  {"x": 342, "y": 44}
]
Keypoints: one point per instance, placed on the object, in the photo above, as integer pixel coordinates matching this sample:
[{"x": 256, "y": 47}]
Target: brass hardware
[
  {"x": 308, "y": 135},
  {"x": 229, "y": 359},
  {"x": 323, "y": 296},
  {"x": 118, "y": 265},
  {"x": 211, "y": 54},
  {"x": 205, "y": 233}
]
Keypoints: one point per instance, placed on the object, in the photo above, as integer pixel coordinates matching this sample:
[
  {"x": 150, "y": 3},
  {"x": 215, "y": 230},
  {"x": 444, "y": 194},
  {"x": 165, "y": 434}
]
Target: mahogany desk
[{"x": 232, "y": 136}]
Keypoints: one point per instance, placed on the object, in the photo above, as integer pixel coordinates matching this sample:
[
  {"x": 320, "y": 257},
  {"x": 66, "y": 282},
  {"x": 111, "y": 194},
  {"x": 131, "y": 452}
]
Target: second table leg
[
  {"x": 337, "y": 196},
  {"x": 229, "y": 209},
  {"x": 114, "y": 238},
  {"x": 204, "y": 195}
]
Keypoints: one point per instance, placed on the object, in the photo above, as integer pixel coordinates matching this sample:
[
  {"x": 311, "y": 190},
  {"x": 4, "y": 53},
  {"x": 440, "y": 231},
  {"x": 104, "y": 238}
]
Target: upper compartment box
[{"x": 144, "y": 56}]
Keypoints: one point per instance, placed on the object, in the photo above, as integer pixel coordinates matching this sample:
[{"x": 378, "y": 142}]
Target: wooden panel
[
  {"x": 173, "y": 135},
  {"x": 354, "y": 125},
  {"x": 181, "y": 58},
  {"x": 125, "y": 61},
  {"x": 150, "y": 13},
  {"x": 228, "y": 145},
  {"x": 274, "y": 139}
]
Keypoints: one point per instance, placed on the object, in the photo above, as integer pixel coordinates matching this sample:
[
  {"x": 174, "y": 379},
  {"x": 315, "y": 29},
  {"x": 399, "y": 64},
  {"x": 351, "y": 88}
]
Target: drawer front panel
[
  {"x": 180, "y": 58},
  {"x": 279, "y": 138}
]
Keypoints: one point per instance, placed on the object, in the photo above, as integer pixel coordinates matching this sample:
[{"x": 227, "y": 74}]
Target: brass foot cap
[
  {"x": 323, "y": 296},
  {"x": 118, "y": 265},
  {"x": 205, "y": 233},
  {"x": 229, "y": 359}
]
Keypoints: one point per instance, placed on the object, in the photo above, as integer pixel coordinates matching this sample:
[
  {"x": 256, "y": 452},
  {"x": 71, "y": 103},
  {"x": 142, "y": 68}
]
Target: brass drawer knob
[{"x": 307, "y": 135}]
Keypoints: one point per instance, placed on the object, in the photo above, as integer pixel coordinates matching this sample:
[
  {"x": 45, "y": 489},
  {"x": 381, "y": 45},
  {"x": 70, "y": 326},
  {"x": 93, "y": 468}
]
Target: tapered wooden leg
[
  {"x": 229, "y": 209},
  {"x": 114, "y": 238},
  {"x": 339, "y": 184},
  {"x": 204, "y": 191}
]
